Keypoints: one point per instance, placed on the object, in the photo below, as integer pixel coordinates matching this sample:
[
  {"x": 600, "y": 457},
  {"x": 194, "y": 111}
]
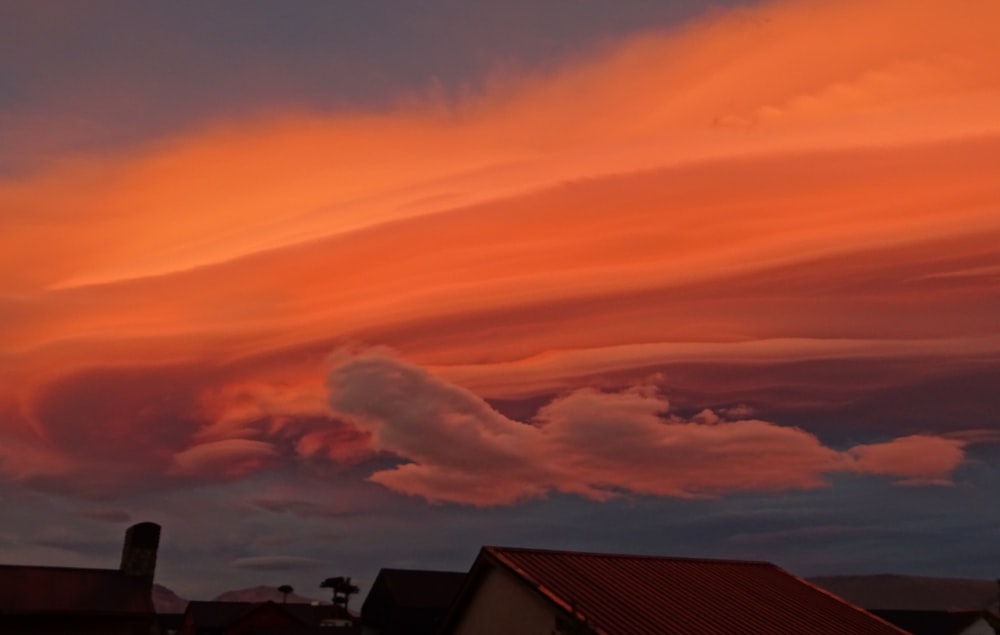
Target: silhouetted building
[
  {"x": 168, "y": 623},
  {"x": 266, "y": 618},
  {"x": 58, "y": 600},
  {"x": 142, "y": 541},
  {"x": 409, "y": 601},
  {"x": 535, "y": 592}
]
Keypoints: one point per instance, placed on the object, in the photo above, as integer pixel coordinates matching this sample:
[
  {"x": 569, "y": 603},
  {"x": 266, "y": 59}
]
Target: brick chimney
[{"x": 139, "y": 552}]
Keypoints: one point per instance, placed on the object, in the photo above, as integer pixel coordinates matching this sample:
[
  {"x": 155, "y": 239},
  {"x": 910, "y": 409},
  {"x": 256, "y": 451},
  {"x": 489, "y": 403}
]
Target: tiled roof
[
  {"x": 30, "y": 589},
  {"x": 639, "y": 595}
]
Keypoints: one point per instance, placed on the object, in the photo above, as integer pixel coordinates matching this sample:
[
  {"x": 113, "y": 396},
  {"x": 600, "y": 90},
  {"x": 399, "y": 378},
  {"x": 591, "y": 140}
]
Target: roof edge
[
  {"x": 843, "y": 601},
  {"x": 640, "y": 556}
]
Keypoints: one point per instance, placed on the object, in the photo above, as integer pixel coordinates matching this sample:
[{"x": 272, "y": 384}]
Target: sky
[{"x": 328, "y": 287}]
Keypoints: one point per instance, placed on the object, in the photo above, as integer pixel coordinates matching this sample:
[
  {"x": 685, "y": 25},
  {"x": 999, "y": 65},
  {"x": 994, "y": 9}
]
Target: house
[
  {"x": 409, "y": 601},
  {"x": 923, "y": 605},
  {"x": 168, "y": 623},
  {"x": 536, "y": 592},
  {"x": 56, "y": 600},
  {"x": 263, "y": 618}
]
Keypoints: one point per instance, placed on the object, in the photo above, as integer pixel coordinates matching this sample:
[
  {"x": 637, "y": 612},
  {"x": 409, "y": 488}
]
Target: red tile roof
[
  {"x": 637, "y": 595},
  {"x": 30, "y": 589}
]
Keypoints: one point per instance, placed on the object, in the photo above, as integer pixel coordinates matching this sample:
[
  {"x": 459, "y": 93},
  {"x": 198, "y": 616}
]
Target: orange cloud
[
  {"x": 917, "y": 459},
  {"x": 229, "y": 458},
  {"x": 803, "y": 181}
]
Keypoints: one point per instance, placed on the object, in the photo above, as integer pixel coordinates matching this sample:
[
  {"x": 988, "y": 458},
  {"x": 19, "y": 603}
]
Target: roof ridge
[{"x": 593, "y": 554}]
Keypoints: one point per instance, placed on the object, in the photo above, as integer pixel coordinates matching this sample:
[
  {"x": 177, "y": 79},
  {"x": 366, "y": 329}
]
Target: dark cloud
[{"x": 122, "y": 417}]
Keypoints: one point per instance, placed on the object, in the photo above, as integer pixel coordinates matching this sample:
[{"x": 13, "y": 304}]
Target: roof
[
  {"x": 636, "y": 595},
  {"x": 932, "y": 622},
  {"x": 315, "y": 614},
  {"x": 33, "y": 589},
  {"x": 912, "y": 593},
  {"x": 417, "y": 588},
  {"x": 410, "y": 600},
  {"x": 169, "y": 621},
  {"x": 220, "y": 615}
]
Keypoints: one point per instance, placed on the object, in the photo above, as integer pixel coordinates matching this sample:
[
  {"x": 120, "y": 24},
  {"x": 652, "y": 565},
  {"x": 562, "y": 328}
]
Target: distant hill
[
  {"x": 166, "y": 601},
  {"x": 261, "y": 594},
  {"x": 911, "y": 593}
]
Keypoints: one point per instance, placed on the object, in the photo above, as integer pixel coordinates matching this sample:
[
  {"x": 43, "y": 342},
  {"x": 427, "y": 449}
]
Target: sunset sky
[{"x": 323, "y": 287}]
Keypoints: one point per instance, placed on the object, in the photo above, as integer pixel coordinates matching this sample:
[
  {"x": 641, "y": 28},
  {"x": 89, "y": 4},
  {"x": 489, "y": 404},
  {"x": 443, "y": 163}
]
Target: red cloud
[
  {"x": 916, "y": 460},
  {"x": 230, "y": 458}
]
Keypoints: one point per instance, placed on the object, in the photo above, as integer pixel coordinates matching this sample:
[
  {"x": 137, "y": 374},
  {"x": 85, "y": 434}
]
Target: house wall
[
  {"x": 503, "y": 605},
  {"x": 979, "y": 627}
]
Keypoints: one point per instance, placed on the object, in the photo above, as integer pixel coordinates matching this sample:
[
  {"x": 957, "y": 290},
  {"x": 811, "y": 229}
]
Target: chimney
[{"x": 139, "y": 551}]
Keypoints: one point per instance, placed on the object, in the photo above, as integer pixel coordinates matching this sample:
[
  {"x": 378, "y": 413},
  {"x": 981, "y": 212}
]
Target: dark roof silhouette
[
  {"x": 169, "y": 621},
  {"x": 410, "y": 600},
  {"x": 932, "y": 622},
  {"x": 220, "y": 616},
  {"x": 315, "y": 614},
  {"x": 418, "y": 588},
  {"x": 28, "y": 589},
  {"x": 647, "y": 595}
]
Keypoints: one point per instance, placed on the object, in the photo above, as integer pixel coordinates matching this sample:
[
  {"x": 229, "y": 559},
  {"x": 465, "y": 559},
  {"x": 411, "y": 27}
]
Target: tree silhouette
[
  {"x": 284, "y": 590},
  {"x": 342, "y": 589}
]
